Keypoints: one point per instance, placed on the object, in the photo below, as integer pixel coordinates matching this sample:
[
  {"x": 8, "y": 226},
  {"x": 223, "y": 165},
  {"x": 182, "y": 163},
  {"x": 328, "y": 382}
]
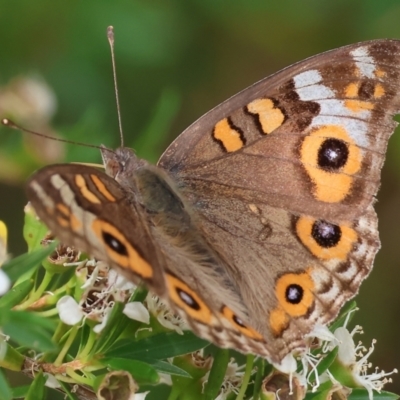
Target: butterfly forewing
[{"x": 86, "y": 208}]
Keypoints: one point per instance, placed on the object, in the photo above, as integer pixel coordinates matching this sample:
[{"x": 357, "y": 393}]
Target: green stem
[
  {"x": 259, "y": 378},
  {"x": 174, "y": 393},
  {"x": 246, "y": 377},
  {"x": 79, "y": 378},
  {"x": 88, "y": 346},
  {"x": 67, "y": 345},
  {"x": 47, "y": 313},
  {"x": 38, "y": 293},
  {"x": 217, "y": 374}
]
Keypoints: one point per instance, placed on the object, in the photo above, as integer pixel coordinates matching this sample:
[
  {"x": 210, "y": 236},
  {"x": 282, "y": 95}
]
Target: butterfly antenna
[
  {"x": 110, "y": 36},
  {"x": 10, "y": 124}
]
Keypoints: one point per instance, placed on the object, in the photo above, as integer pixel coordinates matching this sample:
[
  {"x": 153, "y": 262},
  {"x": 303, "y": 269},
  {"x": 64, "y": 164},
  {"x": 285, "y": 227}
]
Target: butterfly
[{"x": 257, "y": 223}]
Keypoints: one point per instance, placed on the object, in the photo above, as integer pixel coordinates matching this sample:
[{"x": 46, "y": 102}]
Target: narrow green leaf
[
  {"x": 167, "y": 368},
  {"x": 34, "y": 230},
  {"x": 263, "y": 369},
  {"x": 327, "y": 361},
  {"x": 158, "y": 347},
  {"x": 10, "y": 359},
  {"x": 37, "y": 389},
  {"x": 116, "y": 323},
  {"x": 68, "y": 394},
  {"x": 362, "y": 394},
  {"x": 217, "y": 374},
  {"x": 322, "y": 393},
  {"x": 5, "y": 390},
  {"x": 158, "y": 392},
  {"x": 141, "y": 371},
  {"x": 26, "y": 263},
  {"x": 16, "y": 294},
  {"x": 20, "y": 392},
  {"x": 29, "y": 329}
]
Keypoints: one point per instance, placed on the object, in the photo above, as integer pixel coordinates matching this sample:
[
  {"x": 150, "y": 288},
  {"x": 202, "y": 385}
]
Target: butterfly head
[{"x": 121, "y": 163}]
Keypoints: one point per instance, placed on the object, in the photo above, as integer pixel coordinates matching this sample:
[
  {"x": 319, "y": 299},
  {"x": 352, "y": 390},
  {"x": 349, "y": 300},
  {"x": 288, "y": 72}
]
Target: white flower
[
  {"x": 165, "y": 316},
  {"x": 51, "y": 381},
  {"x": 288, "y": 364},
  {"x": 5, "y": 282},
  {"x": 232, "y": 381},
  {"x": 69, "y": 310},
  {"x": 99, "y": 327},
  {"x": 119, "y": 281},
  {"x": 140, "y": 396},
  {"x": 137, "y": 311},
  {"x": 348, "y": 354}
]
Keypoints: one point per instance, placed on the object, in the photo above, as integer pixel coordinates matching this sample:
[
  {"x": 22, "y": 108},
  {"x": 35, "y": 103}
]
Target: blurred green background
[{"x": 175, "y": 61}]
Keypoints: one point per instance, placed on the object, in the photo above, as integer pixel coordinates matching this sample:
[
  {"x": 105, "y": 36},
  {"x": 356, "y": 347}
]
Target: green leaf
[
  {"x": 362, "y": 394},
  {"x": 159, "y": 392},
  {"x": 10, "y": 358},
  {"x": 217, "y": 374},
  {"x": 116, "y": 323},
  {"x": 34, "y": 229},
  {"x": 350, "y": 307},
  {"x": 327, "y": 361},
  {"x": 37, "y": 389},
  {"x": 29, "y": 329},
  {"x": 26, "y": 263},
  {"x": 16, "y": 294},
  {"x": 20, "y": 392},
  {"x": 5, "y": 390},
  {"x": 158, "y": 347},
  {"x": 68, "y": 393},
  {"x": 141, "y": 371},
  {"x": 167, "y": 368},
  {"x": 322, "y": 393}
]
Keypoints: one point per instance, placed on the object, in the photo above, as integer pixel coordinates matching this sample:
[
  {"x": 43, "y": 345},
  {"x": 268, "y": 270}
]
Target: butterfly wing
[
  {"x": 87, "y": 209},
  {"x": 283, "y": 176},
  {"x": 319, "y": 127}
]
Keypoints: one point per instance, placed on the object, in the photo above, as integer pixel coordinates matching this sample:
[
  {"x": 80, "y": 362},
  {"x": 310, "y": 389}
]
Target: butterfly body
[{"x": 257, "y": 224}]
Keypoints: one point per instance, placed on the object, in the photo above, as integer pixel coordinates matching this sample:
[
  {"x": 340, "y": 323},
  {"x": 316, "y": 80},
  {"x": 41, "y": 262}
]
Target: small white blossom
[
  {"x": 119, "y": 281},
  {"x": 140, "y": 396},
  {"x": 51, "y": 381},
  {"x": 165, "y": 316},
  {"x": 137, "y": 311},
  {"x": 69, "y": 310},
  {"x": 165, "y": 378},
  {"x": 288, "y": 364},
  {"x": 5, "y": 282},
  {"x": 348, "y": 354},
  {"x": 232, "y": 381},
  {"x": 105, "y": 315}
]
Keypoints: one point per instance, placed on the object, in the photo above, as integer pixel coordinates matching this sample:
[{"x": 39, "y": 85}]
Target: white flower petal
[
  {"x": 51, "y": 381},
  {"x": 119, "y": 281},
  {"x": 140, "y": 396},
  {"x": 91, "y": 280},
  {"x": 346, "y": 353},
  {"x": 69, "y": 310},
  {"x": 5, "y": 282},
  {"x": 288, "y": 365},
  {"x": 99, "y": 327},
  {"x": 137, "y": 311},
  {"x": 165, "y": 378}
]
